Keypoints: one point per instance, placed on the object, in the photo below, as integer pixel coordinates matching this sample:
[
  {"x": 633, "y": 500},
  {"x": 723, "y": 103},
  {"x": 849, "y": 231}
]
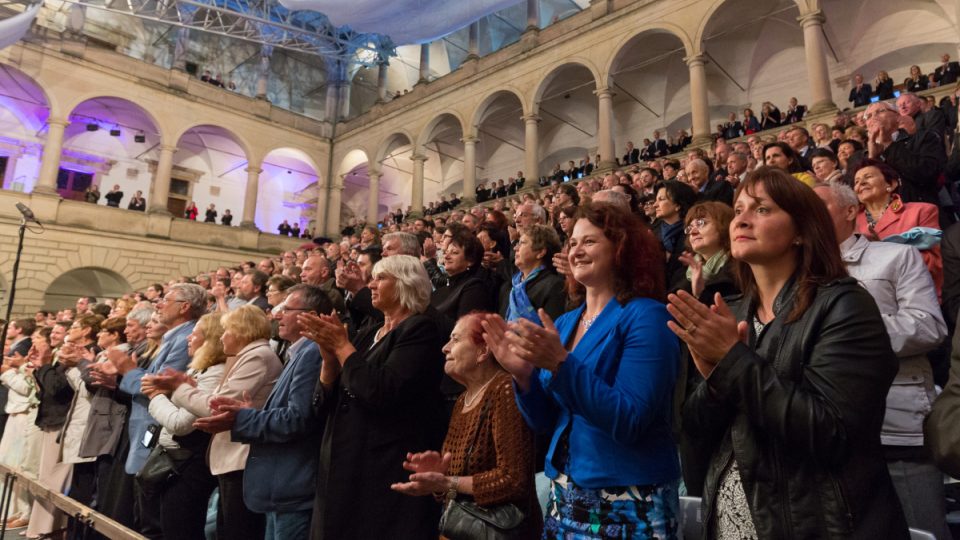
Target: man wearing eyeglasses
[
  {"x": 280, "y": 476},
  {"x": 919, "y": 158}
]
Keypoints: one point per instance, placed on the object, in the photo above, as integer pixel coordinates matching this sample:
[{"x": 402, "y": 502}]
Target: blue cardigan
[{"x": 615, "y": 393}]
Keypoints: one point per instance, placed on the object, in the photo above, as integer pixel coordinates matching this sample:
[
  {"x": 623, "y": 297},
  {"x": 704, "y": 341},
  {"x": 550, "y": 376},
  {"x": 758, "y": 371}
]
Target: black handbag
[
  {"x": 157, "y": 470},
  {"x": 466, "y": 520}
]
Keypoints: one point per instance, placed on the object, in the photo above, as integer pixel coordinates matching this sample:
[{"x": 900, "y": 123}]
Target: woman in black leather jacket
[{"x": 786, "y": 427}]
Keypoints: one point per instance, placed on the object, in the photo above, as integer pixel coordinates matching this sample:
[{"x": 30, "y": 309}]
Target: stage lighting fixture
[
  {"x": 140, "y": 138},
  {"x": 115, "y": 132},
  {"x": 92, "y": 127}
]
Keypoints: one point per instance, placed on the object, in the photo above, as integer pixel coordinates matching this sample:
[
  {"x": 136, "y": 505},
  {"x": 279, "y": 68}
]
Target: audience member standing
[
  {"x": 114, "y": 196},
  {"x": 137, "y": 202}
]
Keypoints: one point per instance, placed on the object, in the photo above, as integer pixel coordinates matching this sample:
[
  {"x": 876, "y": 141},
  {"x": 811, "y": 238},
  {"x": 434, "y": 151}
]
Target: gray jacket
[{"x": 900, "y": 283}]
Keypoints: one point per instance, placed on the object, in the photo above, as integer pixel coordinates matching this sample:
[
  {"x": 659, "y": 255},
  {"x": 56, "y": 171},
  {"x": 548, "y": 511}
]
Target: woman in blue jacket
[{"x": 601, "y": 381}]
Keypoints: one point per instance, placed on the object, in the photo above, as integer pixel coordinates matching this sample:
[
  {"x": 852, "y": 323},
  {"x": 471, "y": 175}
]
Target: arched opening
[
  {"x": 355, "y": 200},
  {"x": 110, "y": 142},
  {"x": 24, "y": 109},
  {"x": 87, "y": 281},
  {"x": 568, "y": 113},
  {"x": 288, "y": 190},
  {"x": 500, "y": 128},
  {"x": 443, "y": 171},
  {"x": 396, "y": 169},
  {"x": 650, "y": 81},
  {"x": 209, "y": 167}
]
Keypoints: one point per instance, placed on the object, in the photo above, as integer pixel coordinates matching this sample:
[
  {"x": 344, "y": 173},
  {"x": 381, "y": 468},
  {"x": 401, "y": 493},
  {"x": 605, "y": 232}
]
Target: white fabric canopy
[
  {"x": 405, "y": 21},
  {"x": 13, "y": 28}
]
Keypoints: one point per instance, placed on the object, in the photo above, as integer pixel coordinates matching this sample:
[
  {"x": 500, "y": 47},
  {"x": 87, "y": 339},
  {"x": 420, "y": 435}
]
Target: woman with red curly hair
[{"x": 601, "y": 381}]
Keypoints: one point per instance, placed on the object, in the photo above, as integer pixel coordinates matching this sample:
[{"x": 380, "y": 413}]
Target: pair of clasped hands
[{"x": 223, "y": 409}]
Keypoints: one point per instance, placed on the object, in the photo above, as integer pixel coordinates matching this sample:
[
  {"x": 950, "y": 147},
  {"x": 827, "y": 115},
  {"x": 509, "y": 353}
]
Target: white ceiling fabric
[
  {"x": 405, "y": 21},
  {"x": 13, "y": 28}
]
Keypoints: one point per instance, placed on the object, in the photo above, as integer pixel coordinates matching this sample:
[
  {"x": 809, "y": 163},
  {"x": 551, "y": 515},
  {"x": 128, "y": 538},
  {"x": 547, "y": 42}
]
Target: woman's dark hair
[
  {"x": 569, "y": 191},
  {"x": 818, "y": 254},
  {"x": 890, "y": 175},
  {"x": 824, "y": 153},
  {"x": 472, "y": 248},
  {"x": 857, "y": 145},
  {"x": 794, "y": 165},
  {"x": 681, "y": 194},
  {"x": 637, "y": 255},
  {"x": 498, "y": 218}
]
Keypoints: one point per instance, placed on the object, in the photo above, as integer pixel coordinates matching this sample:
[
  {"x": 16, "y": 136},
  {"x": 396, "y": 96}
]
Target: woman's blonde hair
[
  {"x": 413, "y": 283},
  {"x": 211, "y": 352},
  {"x": 248, "y": 323}
]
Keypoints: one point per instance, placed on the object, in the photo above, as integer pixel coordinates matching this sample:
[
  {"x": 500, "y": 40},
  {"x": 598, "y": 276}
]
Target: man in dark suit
[
  {"x": 861, "y": 92},
  {"x": 912, "y": 105},
  {"x": 732, "y": 129},
  {"x": 632, "y": 155},
  {"x": 799, "y": 139},
  {"x": 658, "y": 148},
  {"x": 796, "y": 112},
  {"x": 948, "y": 72},
  {"x": 353, "y": 279},
  {"x": 284, "y": 228},
  {"x": 253, "y": 289},
  {"x": 281, "y": 473},
  {"x": 698, "y": 172},
  {"x": 919, "y": 158}
]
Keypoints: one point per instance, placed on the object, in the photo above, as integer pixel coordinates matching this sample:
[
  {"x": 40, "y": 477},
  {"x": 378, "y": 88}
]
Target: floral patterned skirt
[{"x": 630, "y": 512}]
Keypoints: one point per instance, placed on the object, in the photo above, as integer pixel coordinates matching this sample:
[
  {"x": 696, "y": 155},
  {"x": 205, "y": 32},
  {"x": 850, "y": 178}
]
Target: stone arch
[
  {"x": 476, "y": 117},
  {"x": 33, "y": 88},
  {"x": 354, "y": 169},
  {"x": 84, "y": 281},
  {"x": 661, "y": 27},
  {"x": 289, "y": 188},
  {"x": 162, "y": 129},
  {"x": 803, "y": 5},
  {"x": 426, "y": 133},
  {"x": 383, "y": 149},
  {"x": 237, "y": 138},
  {"x": 556, "y": 69}
]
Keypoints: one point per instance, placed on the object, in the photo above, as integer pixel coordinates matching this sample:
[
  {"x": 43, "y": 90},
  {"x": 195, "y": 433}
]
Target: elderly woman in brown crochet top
[{"x": 488, "y": 454}]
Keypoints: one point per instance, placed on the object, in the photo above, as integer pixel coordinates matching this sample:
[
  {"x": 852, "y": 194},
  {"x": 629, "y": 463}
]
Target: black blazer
[
  {"x": 361, "y": 309},
  {"x": 919, "y": 159},
  {"x": 55, "y": 395},
  {"x": 385, "y": 403},
  {"x": 861, "y": 97},
  {"x": 885, "y": 89},
  {"x": 717, "y": 190},
  {"x": 632, "y": 157},
  {"x": 464, "y": 292},
  {"x": 796, "y": 115},
  {"x": 803, "y": 407},
  {"x": 948, "y": 75}
]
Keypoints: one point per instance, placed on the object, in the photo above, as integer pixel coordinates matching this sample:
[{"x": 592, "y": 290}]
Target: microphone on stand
[{"x": 27, "y": 213}]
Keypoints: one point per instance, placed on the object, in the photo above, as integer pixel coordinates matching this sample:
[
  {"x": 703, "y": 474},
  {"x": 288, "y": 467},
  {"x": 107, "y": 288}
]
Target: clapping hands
[{"x": 429, "y": 474}]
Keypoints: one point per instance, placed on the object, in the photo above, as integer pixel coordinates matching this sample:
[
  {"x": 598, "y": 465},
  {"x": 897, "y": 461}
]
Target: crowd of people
[{"x": 763, "y": 324}]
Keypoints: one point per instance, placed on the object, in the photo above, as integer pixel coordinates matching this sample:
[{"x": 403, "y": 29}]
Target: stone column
[
  {"x": 250, "y": 196},
  {"x": 473, "y": 45},
  {"x": 50, "y": 161},
  {"x": 816, "y": 53},
  {"x": 531, "y": 146},
  {"x": 470, "y": 169},
  {"x": 333, "y": 208},
  {"x": 263, "y": 71},
  {"x": 424, "y": 63},
  {"x": 382, "y": 82},
  {"x": 343, "y": 98},
  {"x": 330, "y": 106},
  {"x": 161, "y": 180},
  {"x": 605, "y": 144},
  {"x": 416, "y": 202},
  {"x": 533, "y": 15},
  {"x": 321, "y": 225},
  {"x": 699, "y": 105},
  {"x": 373, "y": 197}
]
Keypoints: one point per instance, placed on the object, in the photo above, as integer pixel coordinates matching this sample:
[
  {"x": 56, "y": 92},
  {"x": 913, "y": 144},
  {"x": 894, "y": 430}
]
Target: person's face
[
  {"x": 312, "y": 271},
  {"x": 735, "y": 166},
  {"x": 195, "y": 340},
  {"x": 646, "y": 179},
  {"x": 566, "y": 223},
  {"x": 796, "y": 139},
  {"x": 454, "y": 261},
  {"x": 391, "y": 247},
  {"x": 696, "y": 175},
  {"x": 870, "y": 185},
  {"x": 485, "y": 241},
  {"x": 823, "y": 167},
  {"x": 914, "y": 71},
  {"x": 232, "y": 343},
  {"x": 590, "y": 254},
  {"x": 365, "y": 265},
  {"x": 761, "y": 232},
  {"x": 668, "y": 172},
  {"x": 134, "y": 332},
  {"x": 844, "y": 151},
  {"x": 793, "y": 103},
  {"x": 57, "y": 334},
  {"x": 418, "y": 224},
  {"x": 170, "y": 309},
  {"x": 288, "y": 326},
  {"x": 704, "y": 236},
  {"x": 858, "y": 79},
  {"x": 524, "y": 216},
  {"x": 77, "y": 332},
  {"x": 470, "y": 222},
  {"x": 289, "y": 258},
  {"x": 265, "y": 266},
  {"x": 820, "y": 131},
  {"x": 774, "y": 157},
  {"x": 526, "y": 258},
  {"x": 665, "y": 207},
  {"x": 461, "y": 353},
  {"x": 383, "y": 291},
  {"x": 237, "y": 277},
  {"x": 945, "y": 58},
  {"x": 106, "y": 338},
  {"x": 155, "y": 328},
  {"x": 247, "y": 289},
  {"x": 82, "y": 305},
  {"x": 563, "y": 200},
  {"x": 908, "y": 105}
]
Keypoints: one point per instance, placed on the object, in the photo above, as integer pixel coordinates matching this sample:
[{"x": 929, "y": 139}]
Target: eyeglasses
[
  {"x": 697, "y": 224},
  {"x": 165, "y": 301},
  {"x": 285, "y": 309}
]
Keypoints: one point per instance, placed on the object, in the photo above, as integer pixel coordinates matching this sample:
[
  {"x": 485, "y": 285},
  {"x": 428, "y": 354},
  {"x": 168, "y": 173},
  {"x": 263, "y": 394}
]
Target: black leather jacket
[{"x": 801, "y": 410}]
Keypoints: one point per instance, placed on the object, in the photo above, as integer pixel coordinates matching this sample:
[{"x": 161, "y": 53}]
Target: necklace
[
  {"x": 588, "y": 321},
  {"x": 467, "y": 402}
]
